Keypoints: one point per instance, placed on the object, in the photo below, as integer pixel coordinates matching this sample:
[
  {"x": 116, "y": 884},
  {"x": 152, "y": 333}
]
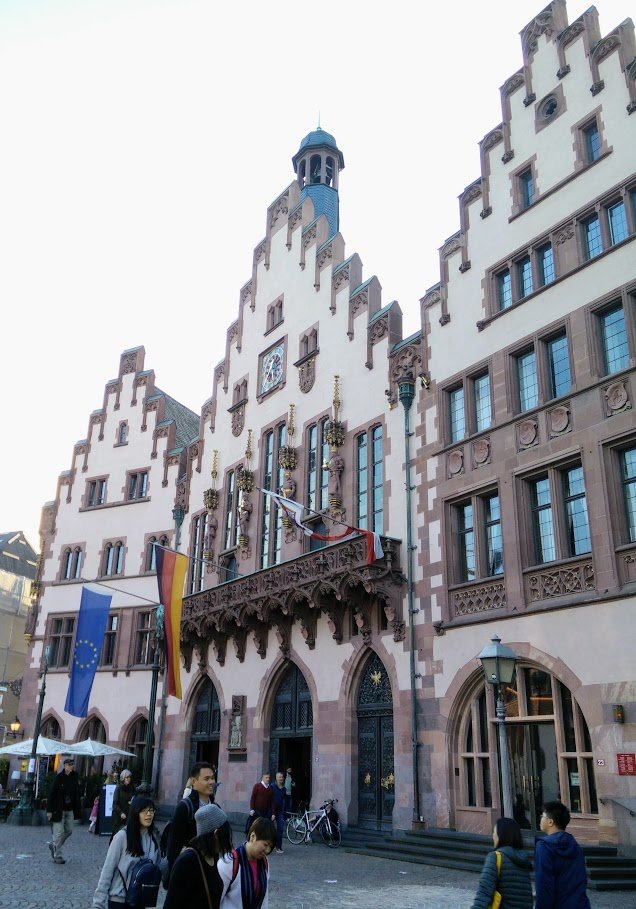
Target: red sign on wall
[{"x": 626, "y": 764}]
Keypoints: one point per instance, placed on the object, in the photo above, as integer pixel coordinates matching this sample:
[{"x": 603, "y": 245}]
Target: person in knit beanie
[{"x": 194, "y": 874}]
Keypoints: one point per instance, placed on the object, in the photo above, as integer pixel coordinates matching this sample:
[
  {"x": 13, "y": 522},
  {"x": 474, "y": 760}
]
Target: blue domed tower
[{"x": 317, "y": 164}]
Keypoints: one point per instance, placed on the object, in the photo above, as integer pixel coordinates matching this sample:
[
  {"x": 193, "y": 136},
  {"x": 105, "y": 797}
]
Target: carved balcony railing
[
  {"x": 548, "y": 582},
  {"x": 335, "y": 581},
  {"x": 482, "y": 596}
]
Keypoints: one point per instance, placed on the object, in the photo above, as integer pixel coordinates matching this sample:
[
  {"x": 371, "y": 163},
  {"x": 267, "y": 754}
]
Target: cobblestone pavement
[{"x": 304, "y": 877}]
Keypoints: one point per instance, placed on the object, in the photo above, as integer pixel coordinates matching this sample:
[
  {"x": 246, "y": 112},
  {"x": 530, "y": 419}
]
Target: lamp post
[
  {"x": 25, "y": 813},
  {"x": 145, "y": 787},
  {"x": 499, "y": 667}
]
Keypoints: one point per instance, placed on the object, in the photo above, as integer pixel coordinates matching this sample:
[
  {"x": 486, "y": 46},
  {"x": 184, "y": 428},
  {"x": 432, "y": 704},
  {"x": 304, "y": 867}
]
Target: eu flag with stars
[{"x": 91, "y": 628}]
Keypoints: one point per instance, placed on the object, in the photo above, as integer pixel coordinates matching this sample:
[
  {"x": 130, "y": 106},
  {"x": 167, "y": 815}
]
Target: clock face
[{"x": 272, "y": 368}]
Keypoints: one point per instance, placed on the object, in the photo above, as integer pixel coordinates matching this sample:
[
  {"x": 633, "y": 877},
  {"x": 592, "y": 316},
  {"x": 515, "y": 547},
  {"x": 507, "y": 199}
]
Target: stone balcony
[{"x": 334, "y": 580}]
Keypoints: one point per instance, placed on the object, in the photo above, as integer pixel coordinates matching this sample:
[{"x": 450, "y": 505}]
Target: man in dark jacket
[
  {"x": 63, "y": 806},
  {"x": 281, "y": 807},
  {"x": 559, "y": 863},
  {"x": 183, "y": 827}
]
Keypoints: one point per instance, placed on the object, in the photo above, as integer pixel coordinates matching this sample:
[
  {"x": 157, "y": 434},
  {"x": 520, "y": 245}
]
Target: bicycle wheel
[
  {"x": 296, "y": 830},
  {"x": 330, "y": 834}
]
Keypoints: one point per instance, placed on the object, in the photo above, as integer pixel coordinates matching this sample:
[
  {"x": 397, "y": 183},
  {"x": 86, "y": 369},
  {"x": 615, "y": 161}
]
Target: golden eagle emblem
[{"x": 376, "y": 677}]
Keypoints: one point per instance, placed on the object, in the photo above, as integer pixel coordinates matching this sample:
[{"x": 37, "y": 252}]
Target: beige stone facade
[{"x": 492, "y": 451}]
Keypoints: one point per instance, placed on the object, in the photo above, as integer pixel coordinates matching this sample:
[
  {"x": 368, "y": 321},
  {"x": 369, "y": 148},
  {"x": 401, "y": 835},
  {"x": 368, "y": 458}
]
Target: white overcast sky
[{"x": 141, "y": 142}]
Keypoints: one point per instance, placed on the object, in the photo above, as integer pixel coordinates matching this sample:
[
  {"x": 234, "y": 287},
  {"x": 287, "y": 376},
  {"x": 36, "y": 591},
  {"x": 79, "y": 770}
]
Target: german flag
[{"x": 172, "y": 568}]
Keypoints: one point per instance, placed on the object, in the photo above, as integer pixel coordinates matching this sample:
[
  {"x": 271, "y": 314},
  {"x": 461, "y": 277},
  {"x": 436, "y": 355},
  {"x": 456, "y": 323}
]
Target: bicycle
[{"x": 301, "y": 826}]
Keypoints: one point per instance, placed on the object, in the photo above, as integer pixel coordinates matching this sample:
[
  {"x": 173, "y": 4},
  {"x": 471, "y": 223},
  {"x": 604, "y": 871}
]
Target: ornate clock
[{"x": 272, "y": 366}]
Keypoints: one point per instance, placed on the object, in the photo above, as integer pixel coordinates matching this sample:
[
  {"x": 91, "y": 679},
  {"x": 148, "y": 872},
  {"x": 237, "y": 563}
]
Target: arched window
[
  {"x": 329, "y": 175},
  {"x": 315, "y": 168},
  {"x": 92, "y": 728},
  {"x": 67, "y": 564},
  {"x": 136, "y": 741},
  {"x": 122, "y": 434},
  {"x": 51, "y": 729},
  {"x": 549, "y": 745}
]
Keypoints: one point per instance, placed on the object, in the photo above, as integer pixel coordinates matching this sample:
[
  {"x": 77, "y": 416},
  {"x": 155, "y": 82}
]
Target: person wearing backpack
[
  {"x": 245, "y": 873},
  {"x": 195, "y": 882},
  {"x": 128, "y": 878},
  {"x": 182, "y": 826},
  {"x": 506, "y": 870}
]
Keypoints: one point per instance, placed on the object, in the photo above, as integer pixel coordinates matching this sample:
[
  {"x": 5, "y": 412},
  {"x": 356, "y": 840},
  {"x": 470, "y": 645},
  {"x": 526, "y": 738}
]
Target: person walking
[
  {"x": 123, "y": 796},
  {"x": 63, "y": 806},
  {"x": 183, "y": 827},
  {"x": 559, "y": 864},
  {"x": 195, "y": 882},
  {"x": 137, "y": 840},
  {"x": 261, "y": 801},
  {"x": 506, "y": 869},
  {"x": 245, "y": 873},
  {"x": 281, "y": 807},
  {"x": 290, "y": 785}
]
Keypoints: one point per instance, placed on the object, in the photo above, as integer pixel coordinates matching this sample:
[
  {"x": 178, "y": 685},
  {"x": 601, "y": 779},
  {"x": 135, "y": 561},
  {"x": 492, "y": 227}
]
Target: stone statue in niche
[
  {"x": 213, "y": 525},
  {"x": 336, "y": 466},
  {"x": 245, "y": 513},
  {"x": 236, "y": 732}
]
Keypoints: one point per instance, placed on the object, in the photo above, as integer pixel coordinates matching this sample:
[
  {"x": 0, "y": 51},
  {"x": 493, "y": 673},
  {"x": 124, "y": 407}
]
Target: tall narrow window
[
  {"x": 273, "y": 477},
  {"x": 481, "y": 389},
  {"x": 614, "y": 339},
  {"x": 230, "y": 537},
  {"x": 545, "y": 260},
  {"x": 197, "y": 545},
  {"x": 317, "y": 474},
  {"x": 504, "y": 289},
  {"x": 593, "y": 243},
  {"x": 466, "y": 540},
  {"x": 526, "y": 186},
  {"x": 110, "y": 639},
  {"x": 527, "y": 380},
  {"x": 60, "y": 641},
  {"x": 72, "y": 564},
  {"x": 524, "y": 276},
  {"x": 617, "y": 220},
  {"x": 144, "y": 637},
  {"x": 494, "y": 541},
  {"x": 457, "y": 414},
  {"x": 96, "y": 493},
  {"x": 559, "y": 366},
  {"x": 628, "y": 477},
  {"x": 542, "y": 521},
  {"x": 592, "y": 140},
  {"x": 577, "y": 526},
  {"x": 370, "y": 480}
]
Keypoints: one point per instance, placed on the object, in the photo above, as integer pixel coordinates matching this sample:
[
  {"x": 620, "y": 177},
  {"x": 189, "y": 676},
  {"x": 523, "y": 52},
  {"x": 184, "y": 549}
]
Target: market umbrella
[
  {"x": 91, "y": 748},
  {"x": 44, "y": 747}
]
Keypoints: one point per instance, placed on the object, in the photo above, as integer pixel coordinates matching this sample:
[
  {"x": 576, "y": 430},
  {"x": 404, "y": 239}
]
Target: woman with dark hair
[
  {"x": 245, "y": 873},
  {"x": 506, "y": 869},
  {"x": 137, "y": 840},
  {"x": 194, "y": 880}
]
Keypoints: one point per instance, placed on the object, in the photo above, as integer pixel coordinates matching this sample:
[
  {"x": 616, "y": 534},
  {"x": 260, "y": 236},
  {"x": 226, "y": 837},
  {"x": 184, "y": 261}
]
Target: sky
[{"x": 141, "y": 143}]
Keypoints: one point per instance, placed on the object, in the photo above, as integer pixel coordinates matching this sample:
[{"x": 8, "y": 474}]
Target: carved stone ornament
[
  {"x": 528, "y": 433},
  {"x": 325, "y": 255},
  {"x": 471, "y": 193},
  {"x": 479, "y": 598},
  {"x": 455, "y": 243},
  {"x": 309, "y": 236},
  {"x": 232, "y": 332},
  {"x": 543, "y": 24},
  {"x": 507, "y": 156},
  {"x": 570, "y": 33},
  {"x": 307, "y": 375},
  {"x": 494, "y": 137},
  {"x": 565, "y": 234},
  {"x": 560, "y": 582},
  {"x": 513, "y": 83},
  {"x": 219, "y": 372},
  {"x": 356, "y": 303},
  {"x": 456, "y": 462},
  {"x": 340, "y": 277},
  {"x": 238, "y": 421},
  {"x": 597, "y": 87},
  {"x": 335, "y": 581},
  {"x": 432, "y": 298},
  {"x": 279, "y": 208},
  {"x": 481, "y": 451},
  {"x": 406, "y": 364},
  {"x": 605, "y": 47},
  {"x": 559, "y": 419},
  {"x": 259, "y": 252},
  {"x": 128, "y": 364},
  {"x": 378, "y": 330},
  {"x": 444, "y": 319},
  {"x": 617, "y": 397},
  {"x": 295, "y": 217},
  {"x": 246, "y": 292}
]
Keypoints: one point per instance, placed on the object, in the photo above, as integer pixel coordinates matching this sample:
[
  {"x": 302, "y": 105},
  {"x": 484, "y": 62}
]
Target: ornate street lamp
[
  {"x": 499, "y": 667},
  {"x": 15, "y": 729},
  {"x": 26, "y": 813}
]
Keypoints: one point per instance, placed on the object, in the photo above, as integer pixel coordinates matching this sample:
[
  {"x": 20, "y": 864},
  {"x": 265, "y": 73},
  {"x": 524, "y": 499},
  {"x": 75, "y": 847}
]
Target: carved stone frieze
[
  {"x": 571, "y": 32},
  {"x": 332, "y": 580},
  {"x": 128, "y": 364},
  {"x": 565, "y": 234},
  {"x": 479, "y": 598},
  {"x": 324, "y": 256},
  {"x": 470, "y": 194},
  {"x": 246, "y": 293},
  {"x": 432, "y": 298},
  {"x": 494, "y": 137},
  {"x": 259, "y": 252},
  {"x": 560, "y": 582},
  {"x": 455, "y": 243},
  {"x": 513, "y": 83},
  {"x": 219, "y": 372},
  {"x": 356, "y": 303},
  {"x": 543, "y": 24},
  {"x": 279, "y": 209},
  {"x": 378, "y": 330},
  {"x": 309, "y": 236},
  {"x": 232, "y": 332},
  {"x": 406, "y": 364},
  {"x": 295, "y": 217},
  {"x": 604, "y": 47}
]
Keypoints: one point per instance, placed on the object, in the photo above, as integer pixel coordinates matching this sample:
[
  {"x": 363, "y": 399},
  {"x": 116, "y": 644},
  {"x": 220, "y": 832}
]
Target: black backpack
[{"x": 143, "y": 884}]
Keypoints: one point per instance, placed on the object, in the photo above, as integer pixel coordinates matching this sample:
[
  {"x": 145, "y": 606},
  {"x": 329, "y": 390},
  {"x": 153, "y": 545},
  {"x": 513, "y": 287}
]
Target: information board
[
  {"x": 626, "y": 764},
  {"x": 105, "y": 810}
]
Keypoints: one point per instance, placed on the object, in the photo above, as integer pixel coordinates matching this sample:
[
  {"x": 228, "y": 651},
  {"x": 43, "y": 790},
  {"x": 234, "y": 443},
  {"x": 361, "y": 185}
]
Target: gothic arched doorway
[
  {"x": 376, "y": 780},
  {"x": 291, "y": 731},
  {"x": 206, "y": 726}
]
